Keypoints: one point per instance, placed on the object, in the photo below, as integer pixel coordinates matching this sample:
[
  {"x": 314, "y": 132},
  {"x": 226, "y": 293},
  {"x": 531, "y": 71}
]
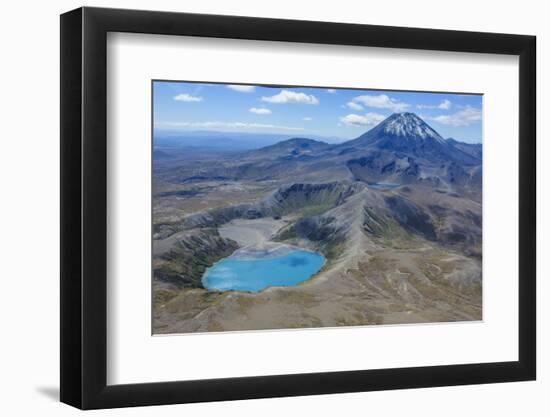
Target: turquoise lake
[
  {"x": 384, "y": 186},
  {"x": 256, "y": 274}
]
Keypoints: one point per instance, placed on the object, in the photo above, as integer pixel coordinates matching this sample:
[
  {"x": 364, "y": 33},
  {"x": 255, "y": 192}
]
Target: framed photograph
[{"x": 258, "y": 208}]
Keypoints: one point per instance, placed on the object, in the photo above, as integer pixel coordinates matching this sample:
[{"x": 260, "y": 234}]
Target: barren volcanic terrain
[{"x": 396, "y": 213}]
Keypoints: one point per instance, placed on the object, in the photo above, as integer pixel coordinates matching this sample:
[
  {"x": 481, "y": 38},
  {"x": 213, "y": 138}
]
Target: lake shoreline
[{"x": 290, "y": 266}]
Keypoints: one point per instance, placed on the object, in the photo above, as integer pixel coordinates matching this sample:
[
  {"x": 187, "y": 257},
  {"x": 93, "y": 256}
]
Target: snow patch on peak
[{"x": 409, "y": 125}]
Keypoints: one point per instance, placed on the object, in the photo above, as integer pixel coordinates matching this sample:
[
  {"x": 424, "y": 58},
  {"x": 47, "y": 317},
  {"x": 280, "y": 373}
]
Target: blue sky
[{"x": 342, "y": 113}]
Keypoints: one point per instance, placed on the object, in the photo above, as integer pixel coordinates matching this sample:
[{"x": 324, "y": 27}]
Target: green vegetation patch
[{"x": 185, "y": 264}]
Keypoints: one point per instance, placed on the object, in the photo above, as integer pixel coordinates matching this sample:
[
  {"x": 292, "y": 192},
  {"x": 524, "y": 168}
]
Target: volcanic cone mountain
[{"x": 402, "y": 149}]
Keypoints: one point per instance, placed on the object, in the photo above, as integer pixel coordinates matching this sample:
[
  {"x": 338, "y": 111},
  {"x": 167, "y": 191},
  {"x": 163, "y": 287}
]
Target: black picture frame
[{"x": 84, "y": 207}]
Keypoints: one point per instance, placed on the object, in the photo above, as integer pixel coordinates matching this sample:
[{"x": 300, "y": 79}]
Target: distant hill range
[
  {"x": 473, "y": 149},
  {"x": 402, "y": 149},
  {"x": 222, "y": 141}
]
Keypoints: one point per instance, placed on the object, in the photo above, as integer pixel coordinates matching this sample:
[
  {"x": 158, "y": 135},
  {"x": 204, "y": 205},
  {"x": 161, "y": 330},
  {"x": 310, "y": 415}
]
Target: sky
[{"x": 299, "y": 111}]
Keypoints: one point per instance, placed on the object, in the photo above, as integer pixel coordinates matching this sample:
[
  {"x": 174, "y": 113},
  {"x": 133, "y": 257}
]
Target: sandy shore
[{"x": 254, "y": 232}]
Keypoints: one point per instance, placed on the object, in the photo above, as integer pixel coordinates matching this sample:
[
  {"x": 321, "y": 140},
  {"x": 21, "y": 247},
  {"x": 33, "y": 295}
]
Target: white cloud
[
  {"x": 331, "y": 91},
  {"x": 187, "y": 98},
  {"x": 354, "y": 106},
  {"x": 444, "y": 105},
  {"x": 242, "y": 88},
  {"x": 465, "y": 117},
  {"x": 307, "y": 119},
  {"x": 381, "y": 101},
  {"x": 259, "y": 110},
  {"x": 356, "y": 120},
  {"x": 226, "y": 125},
  {"x": 287, "y": 96}
]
